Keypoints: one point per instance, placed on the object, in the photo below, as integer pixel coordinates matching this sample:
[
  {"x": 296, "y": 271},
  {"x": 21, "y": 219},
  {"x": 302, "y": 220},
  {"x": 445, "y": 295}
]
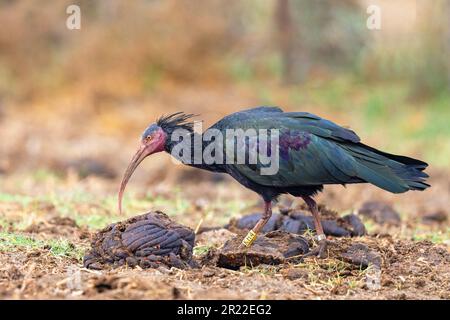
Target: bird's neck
[{"x": 188, "y": 149}]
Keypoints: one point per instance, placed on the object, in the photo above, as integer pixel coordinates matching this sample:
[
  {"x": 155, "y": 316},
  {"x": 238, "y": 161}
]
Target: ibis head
[{"x": 152, "y": 141}]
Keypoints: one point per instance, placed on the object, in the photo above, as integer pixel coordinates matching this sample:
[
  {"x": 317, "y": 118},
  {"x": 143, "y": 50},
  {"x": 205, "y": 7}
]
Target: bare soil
[{"x": 388, "y": 263}]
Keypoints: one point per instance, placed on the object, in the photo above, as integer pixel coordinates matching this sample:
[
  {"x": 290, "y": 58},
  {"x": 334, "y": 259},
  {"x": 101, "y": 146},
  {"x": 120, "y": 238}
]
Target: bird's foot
[{"x": 320, "y": 250}]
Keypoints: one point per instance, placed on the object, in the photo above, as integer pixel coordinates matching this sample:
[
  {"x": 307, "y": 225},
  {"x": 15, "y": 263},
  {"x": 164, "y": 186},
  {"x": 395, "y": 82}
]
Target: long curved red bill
[{"x": 137, "y": 159}]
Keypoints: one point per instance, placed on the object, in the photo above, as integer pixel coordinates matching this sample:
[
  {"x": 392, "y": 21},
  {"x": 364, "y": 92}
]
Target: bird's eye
[{"x": 149, "y": 138}]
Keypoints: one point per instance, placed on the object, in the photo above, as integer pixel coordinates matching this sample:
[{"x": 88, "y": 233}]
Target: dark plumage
[
  {"x": 312, "y": 152},
  {"x": 175, "y": 121}
]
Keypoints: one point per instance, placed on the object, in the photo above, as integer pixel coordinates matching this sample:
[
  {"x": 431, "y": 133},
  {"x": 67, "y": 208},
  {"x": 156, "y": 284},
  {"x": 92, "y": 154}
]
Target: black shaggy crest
[{"x": 178, "y": 120}]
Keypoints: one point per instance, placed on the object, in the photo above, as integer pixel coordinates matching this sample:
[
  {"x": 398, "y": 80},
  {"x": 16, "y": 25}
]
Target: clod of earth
[
  {"x": 359, "y": 254},
  {"x": 149, "y": 240},
  {"x": 381, "y": 213},
  {"x": 275, "y": 247},
  {"x": 298, "y": 222}
]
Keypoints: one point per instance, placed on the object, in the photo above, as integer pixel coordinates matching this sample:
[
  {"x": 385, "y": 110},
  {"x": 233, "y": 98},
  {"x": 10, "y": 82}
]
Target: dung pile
[
  {"x": 275, "y": 247},
  {"x": 298, "y": 222},
  {"x": 151, "y": 240},
  {"x": 147, "y": 240}
]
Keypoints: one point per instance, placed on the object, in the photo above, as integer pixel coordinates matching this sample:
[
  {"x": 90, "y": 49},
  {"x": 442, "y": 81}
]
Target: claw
[{"x": 319, "y": 251}]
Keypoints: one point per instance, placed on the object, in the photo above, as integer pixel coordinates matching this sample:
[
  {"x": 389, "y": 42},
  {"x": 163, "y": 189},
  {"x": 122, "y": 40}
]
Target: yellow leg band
[{"x": 249, "y": 238}]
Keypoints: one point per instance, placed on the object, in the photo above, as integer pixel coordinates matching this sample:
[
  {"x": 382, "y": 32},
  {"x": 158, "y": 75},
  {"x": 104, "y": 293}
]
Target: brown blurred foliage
[
  {"x": 133, "y": 45},
  {"x": 121, "y": 40}
]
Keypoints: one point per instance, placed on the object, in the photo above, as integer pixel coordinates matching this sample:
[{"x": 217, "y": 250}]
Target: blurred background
[{"x": 73, "y": 103}]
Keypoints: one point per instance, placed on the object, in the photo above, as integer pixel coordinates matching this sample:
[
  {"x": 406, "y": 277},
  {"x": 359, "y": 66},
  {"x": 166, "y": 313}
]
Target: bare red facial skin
[{"x": 149, "y": 145}]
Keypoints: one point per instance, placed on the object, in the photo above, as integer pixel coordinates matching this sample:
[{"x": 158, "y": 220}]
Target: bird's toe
[{"x": 320, "y": 251}]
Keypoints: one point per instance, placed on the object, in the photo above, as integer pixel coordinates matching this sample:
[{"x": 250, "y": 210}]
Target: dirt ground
[{"x": 41, "y": 255}]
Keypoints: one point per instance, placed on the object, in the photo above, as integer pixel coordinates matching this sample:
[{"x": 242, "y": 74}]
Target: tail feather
[
  {"x": 417, "y": 164},
  {"x": 391, "y": 172}
]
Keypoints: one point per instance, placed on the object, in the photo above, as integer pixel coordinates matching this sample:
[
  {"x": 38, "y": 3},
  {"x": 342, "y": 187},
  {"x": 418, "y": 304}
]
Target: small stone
[
  {"x": 208, "y": 273},
  {"x": 131, "y": 262},
  {"x": 295, "y": 273},
  {"x": 96, "y": 266}
]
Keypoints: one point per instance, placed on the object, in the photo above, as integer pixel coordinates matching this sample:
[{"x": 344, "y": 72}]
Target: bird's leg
[
  {"x": 321, "y": 249},
  {"x": 252, "y": 234}
]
